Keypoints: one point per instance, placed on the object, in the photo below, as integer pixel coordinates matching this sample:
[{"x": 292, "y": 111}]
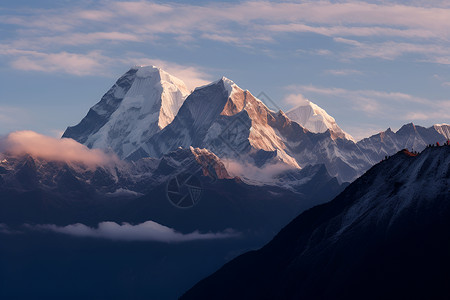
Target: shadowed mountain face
[{"x": 384, "y": 237}]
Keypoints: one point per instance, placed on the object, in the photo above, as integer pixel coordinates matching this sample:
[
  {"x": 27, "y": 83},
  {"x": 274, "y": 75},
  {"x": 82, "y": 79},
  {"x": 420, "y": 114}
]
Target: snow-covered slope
[
  {"x": 443, "y": 129},
  {"x": 316, "y": 119},
  {"x": 142, "y": 102},
  {"x": 227, "y": 120}
]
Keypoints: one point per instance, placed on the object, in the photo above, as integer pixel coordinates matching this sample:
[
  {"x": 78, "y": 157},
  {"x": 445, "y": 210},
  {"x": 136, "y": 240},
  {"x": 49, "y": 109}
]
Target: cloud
[
  {"x": 260, "y": 21},
  {"x": 378, "y": 104},
  {"x": 9, "y": 115},
  {"x": 355, "y": 31},
  {"x": 97, "y": 64},
  {"x": 296, "y": 99},
  {"x": 343, "y": 72},
  {"x": 390, "y": 50},
  {"x": 253, "y": 173},
  {"x": 147, "y": 231},
  {"x": 4, "y": 229},
  {"x": 78, "y": 38},
  {"x": 53, "y": 149},
  {"x": 363, "y": 96},
  {"x": 62, "y": 62}
]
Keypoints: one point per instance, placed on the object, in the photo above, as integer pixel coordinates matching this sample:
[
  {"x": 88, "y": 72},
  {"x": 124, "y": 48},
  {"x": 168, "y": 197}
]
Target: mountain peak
[
  {"x": 142, "y": 101},
  {"x": 228, "y": 84},
  {"x": 146, "y": 68},
  {"x": 314, "y": 118},
  {"x": 443, "y": 129},
  {"x": 407, "y": 128}
]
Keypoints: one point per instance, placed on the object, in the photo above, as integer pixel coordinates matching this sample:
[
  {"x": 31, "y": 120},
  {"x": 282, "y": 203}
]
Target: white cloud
[
  {"x": 295, "y": 99},
  {"x": 377, "y": 104},
  {"x": 362, "y": 94},
  {"x": 53, "y": 149},
  {"x": 135, "y": 21},
  {"x": 390, "y": 50},
  {"x": 252, "y": 173},
  {"x": 147, "y": 231},
  {"x": 63, "y": 62},
  {"x": 357, "y": 31},
  {"x": 97, "y": 64}
]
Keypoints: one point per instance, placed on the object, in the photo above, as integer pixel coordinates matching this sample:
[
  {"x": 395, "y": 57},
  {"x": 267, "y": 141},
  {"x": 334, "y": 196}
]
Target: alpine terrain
[
  {"x": 142, "y": 102},
  {"x": 149, "y": 113}
]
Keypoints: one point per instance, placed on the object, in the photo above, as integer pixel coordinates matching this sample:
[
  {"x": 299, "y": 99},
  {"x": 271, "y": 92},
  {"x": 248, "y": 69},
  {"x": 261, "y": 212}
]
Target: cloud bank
[
  {"x": 421, "y": 26},
  {"x": 147, "y": 231},
  {"x": 53, "y": 149}
]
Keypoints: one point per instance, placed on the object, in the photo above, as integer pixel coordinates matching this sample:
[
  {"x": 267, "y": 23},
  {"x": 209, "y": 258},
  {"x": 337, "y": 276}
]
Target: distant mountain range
[
  {"x": 36, "y": 190},
  {"x": 149, "y": 113},
  {"x": 384, "y": 237}
]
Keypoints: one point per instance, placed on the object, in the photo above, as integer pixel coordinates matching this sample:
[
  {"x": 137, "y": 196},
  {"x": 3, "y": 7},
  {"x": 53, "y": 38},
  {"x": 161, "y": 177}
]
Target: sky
[{"x": 371, "y": 65}]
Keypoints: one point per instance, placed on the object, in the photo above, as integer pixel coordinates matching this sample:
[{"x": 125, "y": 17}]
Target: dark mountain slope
[{"x": 385, "y": 237}]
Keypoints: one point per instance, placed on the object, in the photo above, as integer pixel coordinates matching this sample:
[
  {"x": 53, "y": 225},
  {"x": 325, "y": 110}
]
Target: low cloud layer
[
  {"x": 53, "y": 149},
  {"x": 253, "y": 173},
  {"x": 147, "y": 231}
]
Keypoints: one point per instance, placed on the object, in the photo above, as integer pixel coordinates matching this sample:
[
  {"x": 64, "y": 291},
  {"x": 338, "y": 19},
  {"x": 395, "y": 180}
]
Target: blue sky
[{"x": 371, "y": 65}]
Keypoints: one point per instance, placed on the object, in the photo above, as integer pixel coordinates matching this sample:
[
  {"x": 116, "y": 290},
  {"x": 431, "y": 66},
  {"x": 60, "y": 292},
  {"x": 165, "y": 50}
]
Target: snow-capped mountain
[
  {"x": 384, "y": 237},
  {"x": 142, "y": 102},
  {"x": 147, "y": 113},
  {"x": 443, "y": 129},
  {"x": 316, "y": 119},
  {"x": 409, "y": 136},
  {"x": 228, "y": 121}
]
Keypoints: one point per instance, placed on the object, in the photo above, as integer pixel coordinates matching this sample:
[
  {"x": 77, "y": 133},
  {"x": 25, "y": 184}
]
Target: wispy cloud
[
  {"x": 9, "y": 115},
  {"x": 97, "y": 64},
  {"x": 390, "y": 50},
  {"x": 147, "y": 231},
  {"x": 381, "y": 104},
  {"x": 421, "y": 26},
  {"x": 5, "y": 229},
  {"x": 353, "y": 31},
  {"x": 343, "y": 72}
]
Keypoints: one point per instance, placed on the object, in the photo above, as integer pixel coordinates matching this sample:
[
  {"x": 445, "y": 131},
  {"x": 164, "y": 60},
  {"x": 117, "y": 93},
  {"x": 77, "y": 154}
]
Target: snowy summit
[
  {"x": 316, "y": 119},
  {"x": 142, "y": 102}
]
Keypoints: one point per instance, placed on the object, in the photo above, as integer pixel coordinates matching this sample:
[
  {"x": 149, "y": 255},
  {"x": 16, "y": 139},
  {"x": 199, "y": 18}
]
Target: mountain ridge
[
  {"x": 233, "y": 124},
  {"x": 369, "y": 238}
]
